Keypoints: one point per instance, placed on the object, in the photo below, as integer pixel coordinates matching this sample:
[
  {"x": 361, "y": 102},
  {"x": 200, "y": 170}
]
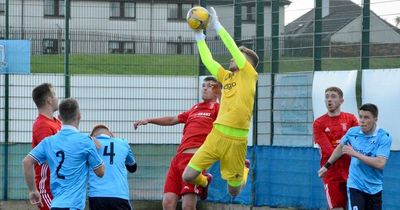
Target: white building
[{"x": 123, "y": 26}]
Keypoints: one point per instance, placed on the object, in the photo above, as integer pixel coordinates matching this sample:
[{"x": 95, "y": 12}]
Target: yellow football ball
[{"x": 198, "y": 18}]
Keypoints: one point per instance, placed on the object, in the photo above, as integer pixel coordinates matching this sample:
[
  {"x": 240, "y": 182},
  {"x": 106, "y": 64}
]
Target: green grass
[{"x": 183, "y": 64}]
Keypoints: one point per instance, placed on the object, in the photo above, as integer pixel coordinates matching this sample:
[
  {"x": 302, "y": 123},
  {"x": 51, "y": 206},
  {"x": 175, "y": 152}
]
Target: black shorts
[
  {"x": 101, "y": 203},
  {"x": 361, "y": 200}
]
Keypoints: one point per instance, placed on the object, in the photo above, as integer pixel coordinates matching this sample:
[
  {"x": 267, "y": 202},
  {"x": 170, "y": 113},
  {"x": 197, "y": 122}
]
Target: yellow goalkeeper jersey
[{"x": 238, "y": 93}]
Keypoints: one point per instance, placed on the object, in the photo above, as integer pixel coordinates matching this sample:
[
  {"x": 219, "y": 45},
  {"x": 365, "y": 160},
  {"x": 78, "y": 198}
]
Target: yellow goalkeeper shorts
[{"x": 231, "y": 151}]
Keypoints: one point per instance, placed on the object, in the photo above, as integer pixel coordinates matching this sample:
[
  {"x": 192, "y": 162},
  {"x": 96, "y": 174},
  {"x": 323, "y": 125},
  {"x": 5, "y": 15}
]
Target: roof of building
[{"x": 341, "y": 13}]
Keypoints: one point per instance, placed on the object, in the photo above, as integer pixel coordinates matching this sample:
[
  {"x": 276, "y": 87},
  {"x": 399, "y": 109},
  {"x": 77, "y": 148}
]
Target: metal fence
[{"x": 73, "y": 42}]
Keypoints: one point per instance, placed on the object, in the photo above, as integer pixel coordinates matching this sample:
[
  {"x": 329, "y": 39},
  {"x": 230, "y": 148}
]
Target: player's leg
[
  {"x": 170, "y": 200},
  {"x": 189, "y": 192},
  {"x": 336, "y": 195},
  {"x": 204, "y": 157},
  {"x": 357, "y": 199},
  {"x": 374, "y": 202},
  {"x": 189, "y": 201},
  {"x": 172, "y": 186},
  {"x": 233, "y": 164}
]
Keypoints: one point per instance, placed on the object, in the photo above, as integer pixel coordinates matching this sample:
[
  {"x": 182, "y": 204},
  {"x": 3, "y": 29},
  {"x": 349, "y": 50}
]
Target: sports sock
[
  {"x": 245, "y": 175},
  {"x": 201, "y": 180}
]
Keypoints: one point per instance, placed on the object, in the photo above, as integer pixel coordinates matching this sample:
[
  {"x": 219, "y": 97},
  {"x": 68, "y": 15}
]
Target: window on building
[
  {"x": 185, "y": 48},
  {"x": 54, "y": 8},
  {"x": 2, "y": 6},
  {"x": 121, "y": 47},
  {"x": 50, "y": 46},
  {"x": 178, "y": 11},
  {"x": 122, "y": 9},
  {"x": 249, "y": 13}
]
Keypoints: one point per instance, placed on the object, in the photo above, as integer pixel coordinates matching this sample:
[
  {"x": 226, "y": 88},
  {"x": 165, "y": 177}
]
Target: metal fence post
[
  {"x": 365, "y": 35},
  {"x": 67, "y": 74},
  {"x": 6, "y": 108},
  {"x": 317, "y": 35},
  {"x": 237, "y": 21},
  {"x": 274, "y": 58}
]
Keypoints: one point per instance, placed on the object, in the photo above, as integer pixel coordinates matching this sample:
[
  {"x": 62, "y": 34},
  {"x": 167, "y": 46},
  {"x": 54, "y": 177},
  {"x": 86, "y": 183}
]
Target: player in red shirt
[
  {"x": 328, "y": 131},
  {"x": 45, "y": 125},
  {"x": 198, "y": 123}
]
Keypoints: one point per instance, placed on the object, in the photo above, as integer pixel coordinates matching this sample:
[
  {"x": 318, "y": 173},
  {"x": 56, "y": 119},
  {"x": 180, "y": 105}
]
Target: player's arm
[
  {"x": 382, "y": 153},
  {"x": 99, "y": 171},
  {"x": 321, "y": 139},
  {"x": 130, "y": 162},
  {"x": 229, "y": 43},
  {"x": 378, "y": 162},
  {"x": 164, "y": 121},
  {"x": 336, "y": 154},
  {"x": 131, "y": 168},
  {"x": 28, "y": 165},
  {"x": 34, "y": 195},
  {"x": 94, "y": 159},
  {"x": 205, "y": 54},
  {"x": 36, "y": 156}
]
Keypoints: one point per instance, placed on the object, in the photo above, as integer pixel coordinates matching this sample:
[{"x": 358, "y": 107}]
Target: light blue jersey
[
  {"x": 362, "y": 176},
  {"x": 115, "y": 152},
  {"x": 69, "y": 155}
]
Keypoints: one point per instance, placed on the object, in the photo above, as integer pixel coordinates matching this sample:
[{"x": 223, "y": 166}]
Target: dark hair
[
  {"x": 68, "y": 109},
  {"x": 370, "y": 108},
  {"x": 40, "y": 94},
  {"x": 251, "y": 55},
  {"x": 210, "y": 78},
  {"x": 335, "y": 89}
]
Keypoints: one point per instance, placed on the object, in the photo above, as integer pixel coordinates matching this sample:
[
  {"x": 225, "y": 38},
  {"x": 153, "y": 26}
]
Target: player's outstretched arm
[
  {"x": 164, "y": 121},
  {"x": 205, "y": 54},
  {"x": 229, "y": 43}
]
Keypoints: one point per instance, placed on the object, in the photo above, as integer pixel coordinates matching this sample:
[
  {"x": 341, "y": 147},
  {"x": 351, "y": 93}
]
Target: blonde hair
[{"x": 250, "y": 54}]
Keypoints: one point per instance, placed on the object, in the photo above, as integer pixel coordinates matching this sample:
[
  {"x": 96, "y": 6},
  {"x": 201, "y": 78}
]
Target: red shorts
[
  {"x": 336, "y": 194},
  {"x": 174, "y": 182}
]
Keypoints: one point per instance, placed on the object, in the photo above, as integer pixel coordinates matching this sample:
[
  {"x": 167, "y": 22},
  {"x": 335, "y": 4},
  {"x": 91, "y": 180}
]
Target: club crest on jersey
[
  {"x": 344, "y": 126},
  {"x": 327, "y": 130}
]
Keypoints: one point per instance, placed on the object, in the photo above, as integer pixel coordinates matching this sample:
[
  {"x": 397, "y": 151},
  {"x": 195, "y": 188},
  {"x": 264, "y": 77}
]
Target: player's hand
[
  {"x": 34, "y": 198},
  {"x": 199, "y": 35},
  {"x": 322, "y": 171},
  {"x": 215, "y": 20},
  {"x": 139, "y": 123},
  {"x": 214, "y": 16},
  {"x": 96, "y": 142},
  {"x": 348, "y": 150}
]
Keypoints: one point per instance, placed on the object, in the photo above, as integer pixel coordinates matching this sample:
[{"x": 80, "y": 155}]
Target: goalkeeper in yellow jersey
[{"x": 227, "y": 141}]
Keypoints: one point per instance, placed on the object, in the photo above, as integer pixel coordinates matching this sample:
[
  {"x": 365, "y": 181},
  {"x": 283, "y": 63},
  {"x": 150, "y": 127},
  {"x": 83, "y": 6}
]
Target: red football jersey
[
  {"x": 42, "y": 128},
  {"x": 198, "y": 123},
  {"x": 328, "y": 131}
]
